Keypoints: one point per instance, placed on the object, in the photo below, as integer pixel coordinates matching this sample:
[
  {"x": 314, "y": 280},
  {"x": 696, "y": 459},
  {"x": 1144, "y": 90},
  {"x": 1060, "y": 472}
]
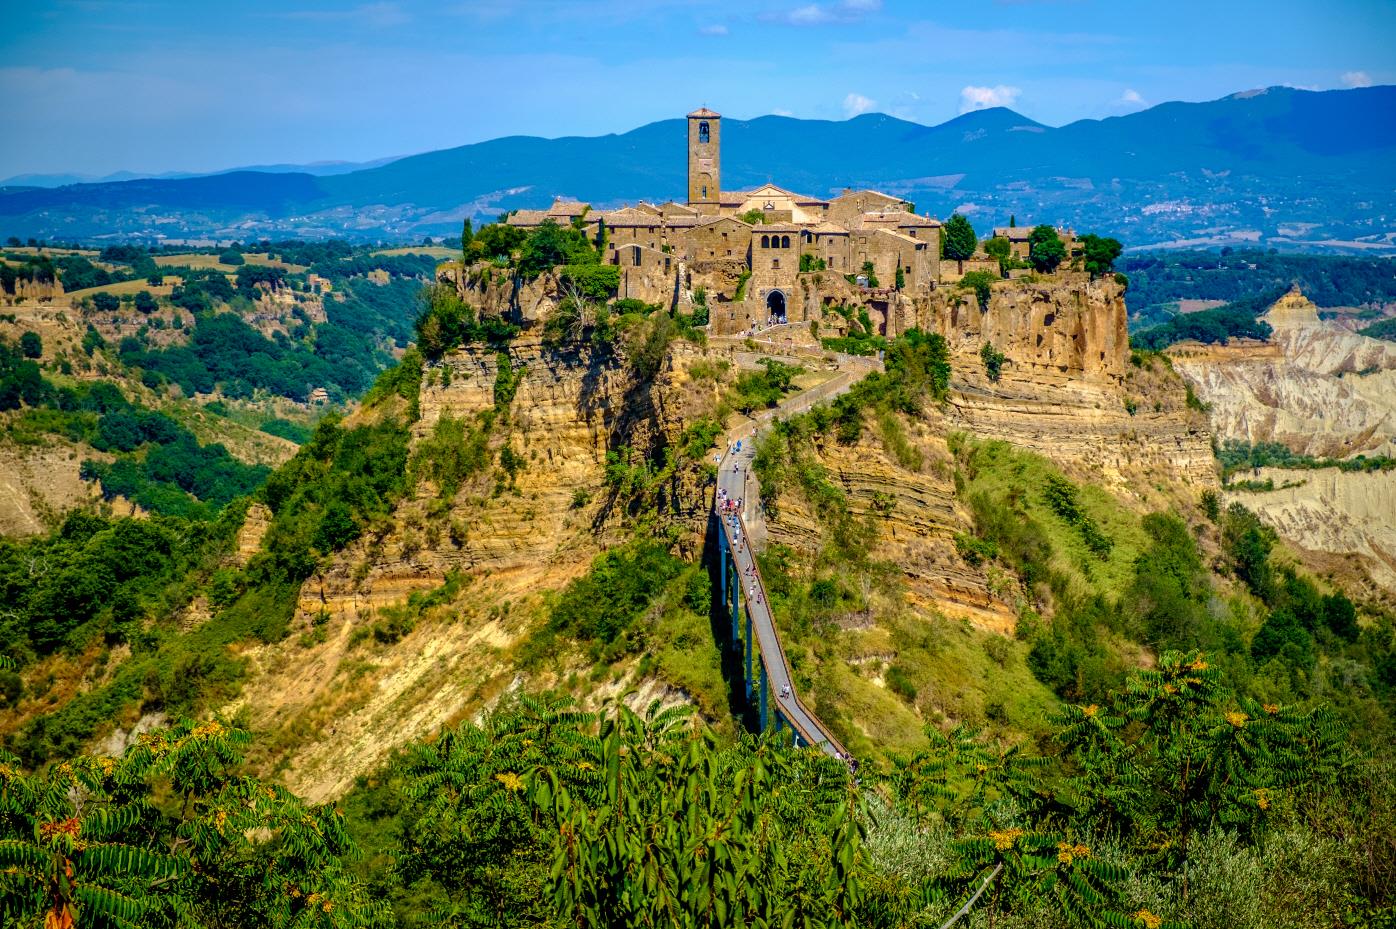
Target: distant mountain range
[
  {"x": 1294, "y": 169},
  {"x": 318, "y": 168}
]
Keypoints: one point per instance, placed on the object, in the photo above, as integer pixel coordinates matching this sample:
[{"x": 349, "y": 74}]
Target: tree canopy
[
  {"x": 957, "y": 239},
  {"x": 1045, "y": 249}
]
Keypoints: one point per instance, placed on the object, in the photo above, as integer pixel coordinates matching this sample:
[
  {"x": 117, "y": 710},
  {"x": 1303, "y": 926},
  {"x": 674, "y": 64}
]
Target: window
[
  {"x": 765, "y": 241},
  {"x": 635, "y": 259},
  {"x": 785, "y": 241},
  {"x": 705, "y": 191},
  {"x": 775, "y": 264},
  {"x": 703, "y": 139}
]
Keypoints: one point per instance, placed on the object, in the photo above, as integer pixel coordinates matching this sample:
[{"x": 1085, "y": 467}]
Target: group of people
[
  {"x": 758, "y": 328},
  {"x": 726, "y": 505}
]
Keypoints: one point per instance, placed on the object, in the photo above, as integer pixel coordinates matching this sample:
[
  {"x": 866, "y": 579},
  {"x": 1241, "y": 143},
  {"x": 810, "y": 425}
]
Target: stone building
[{"x": 750, "y": 244}]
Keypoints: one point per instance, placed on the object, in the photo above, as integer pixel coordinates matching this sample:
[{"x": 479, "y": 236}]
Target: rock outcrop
[
  {"x": 1314, "y": 387},
  {"x": 1346, "y": 513}
]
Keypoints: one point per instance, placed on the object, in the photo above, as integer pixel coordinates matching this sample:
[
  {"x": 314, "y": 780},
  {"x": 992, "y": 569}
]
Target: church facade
[{"x": 754, "y": 245}]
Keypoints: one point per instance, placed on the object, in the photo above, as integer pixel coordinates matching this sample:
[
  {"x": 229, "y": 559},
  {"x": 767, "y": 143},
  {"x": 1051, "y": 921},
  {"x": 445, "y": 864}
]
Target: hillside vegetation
[{"x": 1180, "y": 727}]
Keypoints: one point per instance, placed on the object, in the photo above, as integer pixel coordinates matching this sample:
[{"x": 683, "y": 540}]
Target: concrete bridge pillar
[{"x": 764, "y": 687}]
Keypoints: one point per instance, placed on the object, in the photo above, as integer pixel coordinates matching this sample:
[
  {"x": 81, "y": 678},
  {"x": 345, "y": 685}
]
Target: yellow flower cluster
[
  {"x": 219, "y": 819},
  {"x": 1262, "y": 797},
  {"x": 510, "y": 780},
  {"x": 1198, "y": 665},
  {"x": 1004, "y": 840},
  {"x": 1090, "y": 711},
  {"x": 1237, "y": 719},
  {"x": 210, "y": 728},
  {"x": 1272, "y": 708},
  {"x": 1149, "y": 920},
  {"x": 1067, "y": 853}
]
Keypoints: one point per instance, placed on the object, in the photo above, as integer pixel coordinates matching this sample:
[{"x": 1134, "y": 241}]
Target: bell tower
[{"x": 704, "y": 160}]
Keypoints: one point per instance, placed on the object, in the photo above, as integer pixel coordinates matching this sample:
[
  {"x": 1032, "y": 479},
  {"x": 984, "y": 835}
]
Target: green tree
[
  {"x": 899, "y": 280},
  {"x": 31, "y": 345},
  {"x": 105, "y": 302},
  {"x": 467, "y": 236},
  {"x": 1045, "y": 249},
  {"x": 981, "y": 282},
  {"x": 999, "y": 248},
  {"x": 957, "y": 239},
  {"x": 753, "y": 217},
  {"x": 171, "y": 834},
  {"x": 145, "y": 302},
  {"x": 1100, "y": 254},
  {"x": 230, "y": 256},
  {"x": 496, "y": 241}
]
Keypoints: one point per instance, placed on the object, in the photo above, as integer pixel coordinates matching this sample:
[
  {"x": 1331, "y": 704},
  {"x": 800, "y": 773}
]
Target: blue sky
[{"x": 149, "y": 85}]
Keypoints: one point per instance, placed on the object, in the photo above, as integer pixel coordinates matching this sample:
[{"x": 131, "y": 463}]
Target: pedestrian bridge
[{"x": 767, "y": 681}]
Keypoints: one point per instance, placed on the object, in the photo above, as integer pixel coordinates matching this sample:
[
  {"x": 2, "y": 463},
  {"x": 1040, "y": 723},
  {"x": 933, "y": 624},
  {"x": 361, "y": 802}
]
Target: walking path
[{"x": 732, "y": 481}]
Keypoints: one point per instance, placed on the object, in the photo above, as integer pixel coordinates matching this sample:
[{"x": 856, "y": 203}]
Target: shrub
[{"x": 993, "y": 360}]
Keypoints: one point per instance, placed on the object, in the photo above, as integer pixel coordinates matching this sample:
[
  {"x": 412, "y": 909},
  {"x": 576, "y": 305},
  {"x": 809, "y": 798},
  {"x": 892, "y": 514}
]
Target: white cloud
[
  {"x": 812, "y": 15},
  {"x": 855, "y": 104},
  {"x": 716, "y": 29},
  {"x": 1132, "y": 97},
  {"x": 818, "y": 14},
  {"x": 1357, "y": 79},
  {"x": 780, "y": 112},
  {"x": 982, "y": 98}
]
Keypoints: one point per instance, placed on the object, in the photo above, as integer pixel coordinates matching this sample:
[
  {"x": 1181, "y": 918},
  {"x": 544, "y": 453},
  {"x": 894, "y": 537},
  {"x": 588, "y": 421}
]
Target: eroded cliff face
[
  {"x": 1327, "y": 512},
  {"x": 1320, "y": 390},
  {"x": 1314, "y": 387},
  {"x": 1061, "y": 328},
  {"x": 916, "y": 514},
  {"x": 1068, "y": 388},
  {"x": 507, "y": 543}
]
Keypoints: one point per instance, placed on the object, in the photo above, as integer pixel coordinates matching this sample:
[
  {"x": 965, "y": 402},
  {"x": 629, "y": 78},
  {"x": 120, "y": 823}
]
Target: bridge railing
[{"x": 824, "y": 735}]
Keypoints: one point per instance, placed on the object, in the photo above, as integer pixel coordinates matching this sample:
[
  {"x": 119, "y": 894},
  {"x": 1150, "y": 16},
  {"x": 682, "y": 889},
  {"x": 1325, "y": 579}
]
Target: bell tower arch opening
[{"x": 704, "y": 160}]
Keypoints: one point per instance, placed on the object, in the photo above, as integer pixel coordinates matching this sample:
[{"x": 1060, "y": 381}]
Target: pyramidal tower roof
[{"x": 704, "y": 113}]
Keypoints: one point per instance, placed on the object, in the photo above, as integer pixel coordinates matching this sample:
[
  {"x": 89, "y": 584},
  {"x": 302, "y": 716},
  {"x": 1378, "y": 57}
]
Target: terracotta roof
[
  {"x": 526, "y": 218},
  {"x": 722, "y": 219},
  {"x": 1020, "y": 233},
  {"x": 920, "y": 222},
  {"x": 562, "y": 207},
  {"x": 828, "y": 228},
  {"x": 778, "y": 227},
  {"x": 704, "y": 113},
  {"x": 876, "y": 193},
  {"x": 680, "y": 222},
  {"x": 629, "y": 216},
  {"x": 776, "y": 190}
]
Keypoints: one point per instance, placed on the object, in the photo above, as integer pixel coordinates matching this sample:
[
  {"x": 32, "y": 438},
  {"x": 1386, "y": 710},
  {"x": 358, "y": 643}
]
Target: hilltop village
[{"x": 753, "y": 246}]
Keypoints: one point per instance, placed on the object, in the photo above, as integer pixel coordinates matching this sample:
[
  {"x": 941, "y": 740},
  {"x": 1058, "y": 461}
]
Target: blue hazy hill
[{"x": 1323, "y": 160}]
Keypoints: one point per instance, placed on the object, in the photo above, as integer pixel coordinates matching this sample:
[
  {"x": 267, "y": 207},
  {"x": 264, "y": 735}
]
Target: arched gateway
[{"x": 775, "y": 304}]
